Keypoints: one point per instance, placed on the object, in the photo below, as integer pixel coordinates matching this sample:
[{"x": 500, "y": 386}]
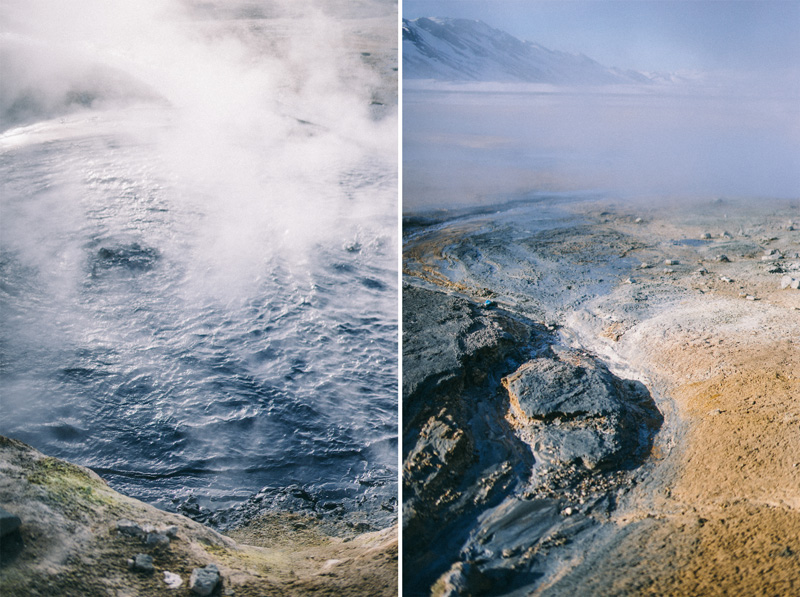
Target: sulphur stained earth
[{"x": 602, "y": 398}]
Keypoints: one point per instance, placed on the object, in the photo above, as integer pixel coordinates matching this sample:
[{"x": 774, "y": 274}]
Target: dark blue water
[{"x": 201, "y": 317}]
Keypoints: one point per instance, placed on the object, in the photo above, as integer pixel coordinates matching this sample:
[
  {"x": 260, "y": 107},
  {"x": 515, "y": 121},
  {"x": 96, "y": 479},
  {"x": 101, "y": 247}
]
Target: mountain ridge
[{"x": 452, "y": 49}]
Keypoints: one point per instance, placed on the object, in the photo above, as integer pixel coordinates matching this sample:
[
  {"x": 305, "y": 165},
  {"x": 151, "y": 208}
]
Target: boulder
[
  {"x": 576, "y": 411},
  {"x": 157, "y": 540},
  {"x": 204, "y": 580}
]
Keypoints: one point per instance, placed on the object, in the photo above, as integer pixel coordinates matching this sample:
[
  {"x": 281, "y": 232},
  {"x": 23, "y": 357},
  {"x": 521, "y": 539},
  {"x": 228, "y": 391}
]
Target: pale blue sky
[{"x": 661, "y": 35}]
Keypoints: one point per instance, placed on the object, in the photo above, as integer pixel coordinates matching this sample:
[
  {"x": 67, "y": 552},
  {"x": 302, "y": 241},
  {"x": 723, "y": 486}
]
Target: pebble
[
  {"x": 706, "y": 236},
  {"x": 669, "y": 271},
  {"x": 173, "y": 580},
  {"x": 645, "y": 266},
  {"x": 142, "y": 562},
  {"x": 568, "y": 511},
  {"x": 204, "y": 580},
  {"x": 671, "y": 262},
  {"x": 723, "y": 258},
  {"x": 724, "y": 279},
  {"x": 725, "y": 234}
]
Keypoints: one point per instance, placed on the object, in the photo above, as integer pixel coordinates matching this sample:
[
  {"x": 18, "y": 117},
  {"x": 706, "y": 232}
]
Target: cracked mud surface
[{"x": 686, "y": 301}]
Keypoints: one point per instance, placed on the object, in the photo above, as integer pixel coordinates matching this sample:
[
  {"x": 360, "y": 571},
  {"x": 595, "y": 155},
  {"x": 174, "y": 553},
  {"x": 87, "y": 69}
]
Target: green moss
[{"x": 69, "y": 486}]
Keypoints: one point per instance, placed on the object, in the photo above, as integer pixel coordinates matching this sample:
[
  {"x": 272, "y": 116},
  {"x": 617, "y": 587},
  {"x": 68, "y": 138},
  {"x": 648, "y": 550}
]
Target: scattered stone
[
  {"x": 789, "y": 282},
  {"x": 645, "y": 265},
  {"x": 630, "y": 281},
  {"x": 638, "y": 221},
  {"x": 171, "y": 531},
  {"x": 143, "y": 563},
  {"x": 173, "y": 580},
  {"x": 671, "y": 262},
  {"x": 702, "y": 271},
  {"x": 669, "y": 271},
  {"x": 715, "y": 412},
  {"x": 204, "y": 580},
  {"x": 130, "y": 528},
  {"x": 768, "y": 252},
  {"x": 725, "y": 234},
  {"x": 157, "y": 540},
  {"x": 568, "y": 511},
  {"x": 723, "y": 258},
  {"x": 8, "y": 522},
  {"x": 463, "y": 578},
  {"x": 725, "y": 279},
  {"x": 750, "y": 297},
  {"x": 706, "y": 236}
]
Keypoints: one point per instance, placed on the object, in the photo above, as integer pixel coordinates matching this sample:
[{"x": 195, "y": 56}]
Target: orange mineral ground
[{"x": 699, "y": 302}]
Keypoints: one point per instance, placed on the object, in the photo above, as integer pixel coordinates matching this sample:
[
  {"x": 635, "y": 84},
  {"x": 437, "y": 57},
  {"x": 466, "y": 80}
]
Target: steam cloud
[{"x": 259, "y": 112}]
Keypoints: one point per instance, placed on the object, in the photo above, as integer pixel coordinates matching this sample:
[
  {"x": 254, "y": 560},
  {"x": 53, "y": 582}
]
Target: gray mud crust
[{"x": 512, "y": 445}]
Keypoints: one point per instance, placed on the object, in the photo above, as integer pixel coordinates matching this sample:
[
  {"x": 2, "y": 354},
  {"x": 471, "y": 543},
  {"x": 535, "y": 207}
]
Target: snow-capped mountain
[{"x": 465, "y": 50}]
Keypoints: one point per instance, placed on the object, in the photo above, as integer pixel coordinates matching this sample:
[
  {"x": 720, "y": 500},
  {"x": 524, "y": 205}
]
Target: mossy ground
[{"x": 71, "y": 546}]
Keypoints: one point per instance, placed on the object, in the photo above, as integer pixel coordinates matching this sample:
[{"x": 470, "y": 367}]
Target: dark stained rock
[
  {"x": 8, "y": 522},
  {"x": 448, "y": 342}
]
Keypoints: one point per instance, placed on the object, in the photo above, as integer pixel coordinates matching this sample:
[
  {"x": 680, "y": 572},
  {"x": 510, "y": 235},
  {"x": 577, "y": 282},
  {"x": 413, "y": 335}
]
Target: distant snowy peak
[{"x": 465, "y": 50}]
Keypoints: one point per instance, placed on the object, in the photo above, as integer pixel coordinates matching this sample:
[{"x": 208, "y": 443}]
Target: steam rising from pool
[{"x": 198, "y": 272}]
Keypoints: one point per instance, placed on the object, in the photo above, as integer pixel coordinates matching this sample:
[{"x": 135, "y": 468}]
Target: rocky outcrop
[
  {"x": 78, "y": 537},
  {"x": 498, "y": 471},
  {"x": 573, "y": 410}
]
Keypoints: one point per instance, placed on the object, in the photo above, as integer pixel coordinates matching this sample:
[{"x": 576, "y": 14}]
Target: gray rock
[
  {"x": 579, "y": 412},
  {"x": 157, "y": 540},
  {"x": 171, "y": 531},
  {"x": 143, "y": 563},
  {"x": 8, "y": 522},
  {"x": 130, "y": 528},
  {"x": 204, "y": 580}
]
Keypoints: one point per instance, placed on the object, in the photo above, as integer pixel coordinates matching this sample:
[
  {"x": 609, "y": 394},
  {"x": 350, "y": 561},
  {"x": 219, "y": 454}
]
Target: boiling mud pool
[{"x": 201, "y": 331}]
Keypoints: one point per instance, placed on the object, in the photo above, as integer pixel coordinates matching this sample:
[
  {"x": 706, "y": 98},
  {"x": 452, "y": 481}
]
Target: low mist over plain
[{"x": 489, "y": 117}]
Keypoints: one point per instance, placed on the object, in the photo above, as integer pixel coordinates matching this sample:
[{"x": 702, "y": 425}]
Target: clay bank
[{"x": 602, "y": 399}]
